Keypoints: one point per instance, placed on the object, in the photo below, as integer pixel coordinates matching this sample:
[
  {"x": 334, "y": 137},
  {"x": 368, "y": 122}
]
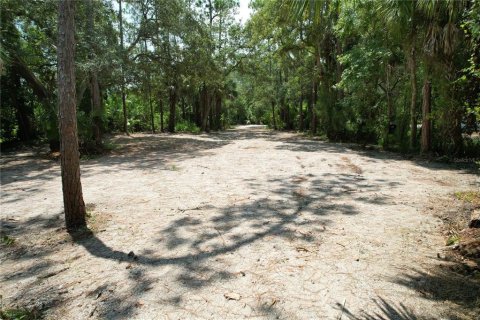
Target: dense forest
[{"x": 400, "y": 74}]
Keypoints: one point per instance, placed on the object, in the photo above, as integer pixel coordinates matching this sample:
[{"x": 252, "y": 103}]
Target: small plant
[
  {"x": 472, "y": 197},
  {"x": 186, "y": 126},
  {"x": 18, "y": 314},
  {"x": 7, "y": 240},
  {"x": 110, "y": 146},
  {"x": 174, "y": 168},
  {"x": 453, "y": 239}
]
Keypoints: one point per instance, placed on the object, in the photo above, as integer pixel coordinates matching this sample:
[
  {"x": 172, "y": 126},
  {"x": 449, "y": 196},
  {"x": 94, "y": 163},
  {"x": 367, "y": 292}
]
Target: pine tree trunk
[
  {"x": 313, "y": 119},
  {"x": 184, "y": 109},
  {"x": 23, "y": 114},
  {"x": 69, "y": 155},
  {"x": 426, "y": 122},
  {"x": 300, "y": 111},
  {"x": 162, "y": 129},
  {"x": 206, "y": 104},
  {"x": 413, "y": 101},
  {"x": 171, "y": 118},
  {"x": 124, "y": 102},
  {"x": 273, "y": 116},
  {"x": 96, "y": 98},
  {"x": 96, "y": 109},
  {"x": 218, "y": 112},
  {"x": 388, "y": 92}
]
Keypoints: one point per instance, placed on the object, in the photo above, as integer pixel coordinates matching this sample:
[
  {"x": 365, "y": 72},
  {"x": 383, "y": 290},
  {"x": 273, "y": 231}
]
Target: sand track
[{"x": 246, "y": 223}]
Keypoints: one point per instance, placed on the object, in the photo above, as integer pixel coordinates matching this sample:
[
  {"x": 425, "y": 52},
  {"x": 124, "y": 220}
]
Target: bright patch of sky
[{"x": 243, "y": 12}]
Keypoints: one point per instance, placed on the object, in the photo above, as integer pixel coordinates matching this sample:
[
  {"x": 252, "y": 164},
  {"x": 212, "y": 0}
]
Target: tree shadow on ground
[
  {"x": 151, "y": 151},
  {"x": 289, "y": 214},
  {"x": 196, "y": 244},
  {"x": 146, "y": 152},
  {"x": 385, "y": 311},
  {"x": 298, "y": 143},
  {"x": 444, "y": 284},
  {"x": 439, "y": 284}
]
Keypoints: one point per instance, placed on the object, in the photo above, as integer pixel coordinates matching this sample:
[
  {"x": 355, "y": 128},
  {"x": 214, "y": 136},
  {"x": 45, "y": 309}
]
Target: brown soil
[{"x": 246, "y": 223}]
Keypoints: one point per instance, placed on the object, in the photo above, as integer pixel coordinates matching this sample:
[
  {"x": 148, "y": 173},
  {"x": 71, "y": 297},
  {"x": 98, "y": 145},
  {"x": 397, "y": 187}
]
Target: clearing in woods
[{"x": 246, "y": 223}]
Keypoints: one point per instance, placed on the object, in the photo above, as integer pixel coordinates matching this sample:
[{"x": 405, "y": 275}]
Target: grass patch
[
  {"x": 18, "y": 314},
  {"x": 453, "y": 239},
  {"x": 186, "y": 126},
  {"x": 7, "y": 240},
  {"x": 472, "y": 197},
  {"x": 173, "y": 168},
  {"x": 110, "y": 146}
]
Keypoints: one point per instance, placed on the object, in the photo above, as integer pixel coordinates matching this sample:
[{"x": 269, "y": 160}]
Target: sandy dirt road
[{"x": 241, "y": 224}]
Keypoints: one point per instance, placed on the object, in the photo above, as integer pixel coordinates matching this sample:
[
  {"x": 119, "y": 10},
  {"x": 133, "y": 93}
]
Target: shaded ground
[{"x": 242, "y": 224}]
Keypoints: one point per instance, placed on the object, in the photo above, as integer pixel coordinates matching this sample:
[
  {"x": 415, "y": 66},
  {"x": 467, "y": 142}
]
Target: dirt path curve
[{"x": 241, "y": 224}]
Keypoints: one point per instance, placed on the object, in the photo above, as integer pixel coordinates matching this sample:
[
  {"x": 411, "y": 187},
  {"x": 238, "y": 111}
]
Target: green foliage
[
  {"x": 186, "y": 126},
  {"x": 7, "y": 240},
  {"x": 468, "y": 196},
  {"x": 453, "y": 239},
  {"x": 351, "y": 81},
  {"x": 18, "y": 314}
]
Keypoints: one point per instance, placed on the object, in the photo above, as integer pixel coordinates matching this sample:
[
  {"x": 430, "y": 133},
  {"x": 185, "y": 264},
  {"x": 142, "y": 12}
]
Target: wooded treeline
[
  {"x": 402, "y": 74},
  {"x": 150, "y": 65}
]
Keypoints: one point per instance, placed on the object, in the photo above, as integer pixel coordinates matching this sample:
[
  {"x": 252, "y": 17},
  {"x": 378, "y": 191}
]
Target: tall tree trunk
[
  {"x": 96, "y": 102},
  {"x": 426, "y": 121},
  {"x": 413, "y": 101},
  {"x": 206, "y": 105},
  {"x": 218, "y": 112},
  {"x": 388, "y": 93},
  {"x": 313, "y": 99},
  {"x": 273, "y": 116},
  {"x": 124, "y": 102},
  {"x": 300, "y": 111},
  {"x": 69, "y": 156},
  {"x": 95, "y": 95},
  {"x": 184, "y": 109},
  {"x": 22, "y": 112},
  {"x": 149, "y": 93},
  {"x": 210, "y": 115},
  {"x": 173, "y": 101},
  {"x": 152, "y": 112},
  {"x": 161, "y": 114},
  {"x": 197, "y": 108}
]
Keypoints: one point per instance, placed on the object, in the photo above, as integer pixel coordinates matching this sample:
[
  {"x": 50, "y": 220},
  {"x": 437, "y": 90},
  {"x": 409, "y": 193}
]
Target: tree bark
[
  {"x": 149, "y": 94},
  {"x": 96, "y": 109},
  {"x": 171, "y": 118},
  {"x": 388, "y": 93},
  {"x": 426, "y": 121},
  {"x": 300, "y": 111},
  {"x": 313, "y": 101},
  {"x": 273, "y": 116},
  {"x": 69, "y": 156},
  {"x": 205, "y": 108},
  {"x": 218, "y": 112},
  {"x": 162, "y": 129},
  {"x": 413, "y": 101},
  {"x": 23, "y": 113},
  {"x": 96, "y": 98},
  {"x": 184, "y": 109},
  {"x": 124, "y": 102}
]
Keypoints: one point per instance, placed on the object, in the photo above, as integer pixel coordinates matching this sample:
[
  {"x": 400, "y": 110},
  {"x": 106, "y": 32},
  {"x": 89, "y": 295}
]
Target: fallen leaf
[{"x": 232, "y": 296}]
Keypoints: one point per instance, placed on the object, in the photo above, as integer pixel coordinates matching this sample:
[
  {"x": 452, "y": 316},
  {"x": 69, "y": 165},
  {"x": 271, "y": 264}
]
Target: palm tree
[
  {"x": 403, "y": 18},
  {"x": 440, "y": 42}
]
